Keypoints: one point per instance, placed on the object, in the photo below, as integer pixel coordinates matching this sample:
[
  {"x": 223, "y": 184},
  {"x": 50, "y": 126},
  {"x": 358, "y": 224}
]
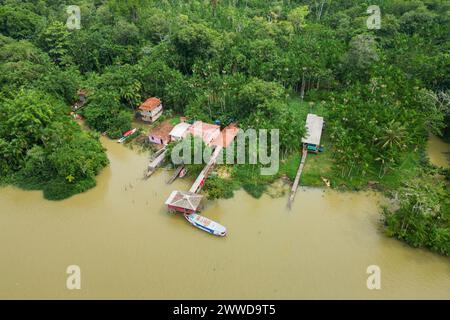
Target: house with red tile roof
[
  {"x": 151, "y": 109},
  {"x": 226, "y": 136},
  {"x": 207, "y": 132}
]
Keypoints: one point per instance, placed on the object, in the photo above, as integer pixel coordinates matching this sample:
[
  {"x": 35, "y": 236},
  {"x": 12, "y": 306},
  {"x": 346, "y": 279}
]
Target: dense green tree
[
  {"x": 103, "y": 113},
  {"x": 55, "y": 41},
  {"x": 297, "y": 17},
  {"x": 159, "y": 80},
  {"x": 361, "y": 56},
  {"x": 23, "y": 120},
  {"x": 18, "y": 22},
  {"x": 195, "y": 41},
  {"x": 423, "y": 216}
]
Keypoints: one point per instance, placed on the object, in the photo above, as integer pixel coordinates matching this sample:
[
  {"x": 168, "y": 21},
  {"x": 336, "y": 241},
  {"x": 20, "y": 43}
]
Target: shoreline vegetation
[{"x": 262, "y": 64}]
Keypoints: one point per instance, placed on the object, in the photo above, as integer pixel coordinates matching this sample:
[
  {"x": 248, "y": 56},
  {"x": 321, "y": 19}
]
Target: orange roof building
[
  {"x": 226, "y": 136},
  {"x": 151, "y": 109},
  {"x": 208, "y": 132}
]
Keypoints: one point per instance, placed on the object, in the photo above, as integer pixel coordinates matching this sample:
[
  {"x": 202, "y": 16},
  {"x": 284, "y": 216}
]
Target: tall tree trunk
[
  {"x": 214, "y": 6},
  {"x": 302, "y": 90},
  {"x": 134, "y": 14}
]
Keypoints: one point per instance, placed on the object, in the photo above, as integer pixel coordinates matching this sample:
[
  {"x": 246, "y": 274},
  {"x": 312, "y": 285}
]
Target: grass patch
[
  {"x": 304, "y": 107},
  {"x": 250, "y": 179},
  {"x": 175, "y": 120},
  {"x": 317, "y": 166}
]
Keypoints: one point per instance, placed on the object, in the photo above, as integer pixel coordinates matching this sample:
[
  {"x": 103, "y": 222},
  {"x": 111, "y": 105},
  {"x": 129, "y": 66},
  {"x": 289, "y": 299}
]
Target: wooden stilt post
[{"x": 297, "y": 177}]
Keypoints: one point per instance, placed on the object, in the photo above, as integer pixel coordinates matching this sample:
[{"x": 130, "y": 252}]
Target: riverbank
[{"x": 438, "y": 151}]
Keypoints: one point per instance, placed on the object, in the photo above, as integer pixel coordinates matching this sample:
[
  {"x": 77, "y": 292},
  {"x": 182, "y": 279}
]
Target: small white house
[
  {"x": 314, "y": 127},
  {"x": 151, "y": 109},
  {"x": 179, "y": 131}
]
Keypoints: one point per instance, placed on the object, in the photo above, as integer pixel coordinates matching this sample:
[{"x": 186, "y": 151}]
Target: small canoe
[
  {"x": 206, "y": 224},
  {"x": 176, "y": 174},
  {"x": 126, "y": 135},
  {"x": 183, "y": 173}
]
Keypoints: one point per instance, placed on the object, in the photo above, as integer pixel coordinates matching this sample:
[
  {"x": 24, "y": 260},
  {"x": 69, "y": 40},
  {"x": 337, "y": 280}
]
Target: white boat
[{"x": 206, "y": 224}]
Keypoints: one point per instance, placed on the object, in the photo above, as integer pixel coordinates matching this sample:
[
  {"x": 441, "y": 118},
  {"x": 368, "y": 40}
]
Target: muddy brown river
[
  {"x": 438, "y": 151},
  {"x": 128, "y": 246}
]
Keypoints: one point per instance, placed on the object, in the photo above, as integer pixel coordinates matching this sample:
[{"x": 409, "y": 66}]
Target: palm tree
[{"x": 394, "y": 135}]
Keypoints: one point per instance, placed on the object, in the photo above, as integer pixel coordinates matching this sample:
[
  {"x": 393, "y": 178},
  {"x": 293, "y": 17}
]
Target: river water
[
  {"x": 438, "y": 151},
  {"x": 128, "y": 246}
]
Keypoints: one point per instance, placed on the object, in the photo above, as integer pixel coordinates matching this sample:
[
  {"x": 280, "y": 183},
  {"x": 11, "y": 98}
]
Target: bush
[
  {"x": 423, "y": 216},
  {"x": 249, "y": 177},
  {"x": 217, "y": 188}
]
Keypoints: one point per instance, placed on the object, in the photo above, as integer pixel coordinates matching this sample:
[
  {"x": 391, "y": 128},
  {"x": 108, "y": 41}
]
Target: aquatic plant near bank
[{"x": 422, "y": 218}]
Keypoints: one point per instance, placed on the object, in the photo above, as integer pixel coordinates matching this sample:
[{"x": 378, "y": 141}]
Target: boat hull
[
  {"x": 126, "y": 135},
  {"x": 183, "y": 173},
  {"x": 206, "y": 224}
]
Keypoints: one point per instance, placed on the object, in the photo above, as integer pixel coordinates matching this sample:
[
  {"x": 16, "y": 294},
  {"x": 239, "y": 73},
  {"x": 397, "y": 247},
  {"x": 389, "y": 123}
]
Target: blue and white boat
[{"x": 206, "y": 224}]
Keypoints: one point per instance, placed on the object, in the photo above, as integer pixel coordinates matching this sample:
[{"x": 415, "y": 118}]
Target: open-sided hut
[{"x": 184, "y": 202}]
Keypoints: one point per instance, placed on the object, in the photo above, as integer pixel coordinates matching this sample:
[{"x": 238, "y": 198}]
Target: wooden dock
[
  {"x": 198, "y": 184},
  {"x": 175, "y": 174},
  {"x": 156, "y": 162},
  {"x": 297, "y": 177}
]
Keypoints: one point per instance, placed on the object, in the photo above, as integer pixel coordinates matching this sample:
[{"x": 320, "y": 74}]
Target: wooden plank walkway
[
  {"x": 198, "y": 184},
  {"x": 161, "y": 155},
  {"x": 297, "y": 177},
  {"x": 175, "y": 174}
]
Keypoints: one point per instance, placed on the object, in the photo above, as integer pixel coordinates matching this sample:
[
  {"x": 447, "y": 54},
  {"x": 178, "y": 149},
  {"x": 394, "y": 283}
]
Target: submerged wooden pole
[{"x": 297, "y": 177}]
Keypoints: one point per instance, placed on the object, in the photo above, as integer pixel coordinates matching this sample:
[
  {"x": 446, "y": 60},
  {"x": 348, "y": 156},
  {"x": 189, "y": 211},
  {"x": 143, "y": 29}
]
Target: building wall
[
  {"x": 173, "y": 138},
  {"x": 151, "y": 116},
  {"x": 155, "y": 139},
  {"x": 178, "y": 209},
  {"x": 155, "y": 116},
  {"x": 157, "y": 110}
]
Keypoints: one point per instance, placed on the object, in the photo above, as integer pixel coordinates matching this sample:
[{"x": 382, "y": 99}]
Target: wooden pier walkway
[
  {"x": 297, "y": 177},
  {"x": 175, "y": 174},
  {"x": 198, "y": 184},
  {"x": 159, "y": 158}
]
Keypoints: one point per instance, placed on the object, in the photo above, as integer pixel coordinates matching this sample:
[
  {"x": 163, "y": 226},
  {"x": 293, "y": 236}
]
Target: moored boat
[
  {"x": 206, "y": 224},
  {"x": 183, "y": 173},
  {"x": 127, "y": 135}
]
